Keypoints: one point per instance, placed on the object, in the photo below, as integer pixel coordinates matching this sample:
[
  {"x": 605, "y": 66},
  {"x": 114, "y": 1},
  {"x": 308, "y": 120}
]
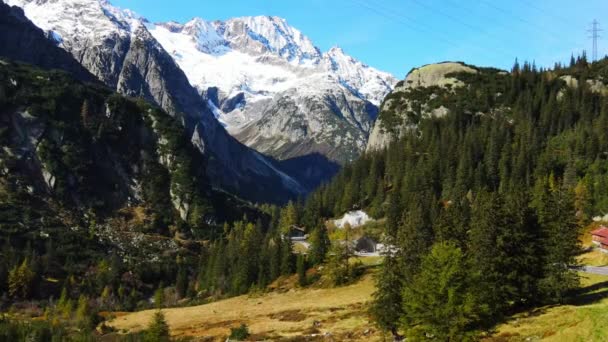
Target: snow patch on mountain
[
  {"x": 78, "y": 18},
  {"x": 260, "y": 57}
]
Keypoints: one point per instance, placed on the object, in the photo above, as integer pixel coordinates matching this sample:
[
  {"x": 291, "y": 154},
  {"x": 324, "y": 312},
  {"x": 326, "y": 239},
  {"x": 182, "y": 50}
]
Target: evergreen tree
[
  {"x": 181, "y": 281},
  {"x": 319, "y": 245},
  {"x": 557, "y": 218},
  {"x": 337, "y": 266},
  {"x": 20, "y": 280},
  {"x": 440, "y": 301},
  {"x": 159, "y": 297},
  {"x": 289, "y": 217},
  {"x": 83, "y": 314},
  {"x": 287, "y": 256},
  {"x": 158, "y": 330},
  {"x": 387, "y": 307},
  {"x": 301, "y": 270}
]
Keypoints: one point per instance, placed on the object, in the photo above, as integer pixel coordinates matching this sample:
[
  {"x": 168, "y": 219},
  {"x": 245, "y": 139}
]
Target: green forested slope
[
  {"x": 483, "y": 205},
  {"x": 94, "y": 186}
]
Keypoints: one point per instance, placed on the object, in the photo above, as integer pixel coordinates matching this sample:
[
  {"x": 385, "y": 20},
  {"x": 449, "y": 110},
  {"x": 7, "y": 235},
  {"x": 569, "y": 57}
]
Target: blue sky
[{"x": 397, "y": 35}]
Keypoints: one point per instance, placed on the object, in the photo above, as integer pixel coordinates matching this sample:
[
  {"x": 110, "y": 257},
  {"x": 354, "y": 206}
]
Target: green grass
[{"x": 585, "y": 318}]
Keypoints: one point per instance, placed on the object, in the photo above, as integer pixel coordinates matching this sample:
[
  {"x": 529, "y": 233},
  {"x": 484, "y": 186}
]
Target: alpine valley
[
  {"x": 229, "y": 181},
  {"x": 256, "y": 78}
]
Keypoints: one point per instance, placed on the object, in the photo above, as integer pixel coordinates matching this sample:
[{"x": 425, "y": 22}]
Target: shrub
[{"x": 240, "y": 333}]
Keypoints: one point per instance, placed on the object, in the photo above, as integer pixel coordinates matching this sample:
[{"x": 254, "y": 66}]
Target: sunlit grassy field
[
  {"x": 316, "y": 313},
  {"x": 584, "y": 319},
  {"x": 289, "y": 313}
]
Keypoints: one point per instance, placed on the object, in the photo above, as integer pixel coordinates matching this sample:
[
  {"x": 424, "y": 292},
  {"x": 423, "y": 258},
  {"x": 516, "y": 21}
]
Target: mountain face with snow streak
[
  {"x": 117, "y": 47},
  {"x": 274, "y": 90},
  {"x": 264, "y": 81}
]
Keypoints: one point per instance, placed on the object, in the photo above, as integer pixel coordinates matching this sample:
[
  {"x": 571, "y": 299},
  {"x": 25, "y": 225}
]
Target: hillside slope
[
  {"x": 339, "y": 313},
  {"x": 485, "y": 178},
  {"x": 88, "y": 175},
  {"x": 583, "y": 318},
  {"x": 22, "y": 41},
  {"x": 393, "y": 118},
  {"x": 117, "y": 47}
]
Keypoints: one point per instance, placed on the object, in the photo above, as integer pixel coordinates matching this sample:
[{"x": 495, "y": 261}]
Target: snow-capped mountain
[
  {"x": 243, "y": 63},
  {"x": 117, "y": 47},
  {"x": 276, "y": 92},
  {"x": 263, "y": 80}
]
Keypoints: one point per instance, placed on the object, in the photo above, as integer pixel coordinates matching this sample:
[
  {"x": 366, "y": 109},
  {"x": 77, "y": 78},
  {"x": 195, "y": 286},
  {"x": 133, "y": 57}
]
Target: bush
[{"x": 240, "y": 333}]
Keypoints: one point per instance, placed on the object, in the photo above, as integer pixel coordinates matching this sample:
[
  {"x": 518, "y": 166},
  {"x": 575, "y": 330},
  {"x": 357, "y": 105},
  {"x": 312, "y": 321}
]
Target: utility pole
[{"x": 594, "y": 31}]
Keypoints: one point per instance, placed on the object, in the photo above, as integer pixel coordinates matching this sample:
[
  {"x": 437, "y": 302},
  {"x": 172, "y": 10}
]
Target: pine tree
[
  {"x": 287, "y": 257},
  {"x": 274, "y": 251},
  {"x": 557, "y": 219},
  {"x": 439, "y": 301},
  {"x": 20, "y": 280},
  {"x": 301, "y": 270},
  {"x": 158, "y": 330},
  {"x": 289, "y": 217},
  {"x": 159, "y": 297},
  {"x": 413, "y": 240},
  {"x": 181, "y": 281},
  {"x": 83, "y": 314},
  {"x": 337, "y": 263},
  {"x": 387, "y": 307},
  {"x": 504, "y": 249},
  {"x": 319, "y": 245}
]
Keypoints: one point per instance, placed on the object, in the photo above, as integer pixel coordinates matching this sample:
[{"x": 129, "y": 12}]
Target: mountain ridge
[
  {"x": 247, "y": 68},
  {"x": 116, "y": 46}
]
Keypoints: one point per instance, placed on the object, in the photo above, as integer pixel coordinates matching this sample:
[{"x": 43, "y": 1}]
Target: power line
[
  {"x": 464, "y": 23},
  {"x": 540, "y": 28},
  {"x": 544, "y": 11},
  {"x": 594, "y": 31},
  {"x": 393, "y": 15}
]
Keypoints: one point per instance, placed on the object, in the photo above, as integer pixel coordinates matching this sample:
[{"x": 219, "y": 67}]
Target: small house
[
  {"x": 600, "y": 237},
  {"x": 297, "y": 233}
]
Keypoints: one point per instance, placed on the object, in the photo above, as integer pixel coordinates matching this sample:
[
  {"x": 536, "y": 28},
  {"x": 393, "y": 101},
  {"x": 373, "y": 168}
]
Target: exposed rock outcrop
[
  {"x": 432, "y": 75},
  {"x": 117, "y": 47},
  {"x": 21, "y": 40}
]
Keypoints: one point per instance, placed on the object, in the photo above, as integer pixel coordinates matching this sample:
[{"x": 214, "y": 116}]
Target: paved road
[{"x": 594, "y": 269}]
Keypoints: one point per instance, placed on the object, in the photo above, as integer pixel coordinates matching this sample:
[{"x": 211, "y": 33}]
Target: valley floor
[
  {"x": 341, "y": 313},
  {"x": 337, "y": 312}
]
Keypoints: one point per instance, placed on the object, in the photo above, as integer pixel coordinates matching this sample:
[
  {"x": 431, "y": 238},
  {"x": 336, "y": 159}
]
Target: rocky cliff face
[
  {"x": 410, "y": 99},
  {"x": 274, "y": 90},
  {"x": 117, "y": 47},
  {"x": 21, "y": 40},
  {"x": 329, "y": 120}
]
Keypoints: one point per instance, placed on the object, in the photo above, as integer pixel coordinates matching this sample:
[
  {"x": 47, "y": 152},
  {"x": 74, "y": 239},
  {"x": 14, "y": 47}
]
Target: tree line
[{"x": 484, "y": 205}]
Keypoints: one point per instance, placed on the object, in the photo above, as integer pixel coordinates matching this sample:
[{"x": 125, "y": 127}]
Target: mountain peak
[
  {"x": 172, "y": 26},
  {"x": 270, "y": 34},
  {"x": 336, "y": 49},
  {"x": 96, "y": 18}
]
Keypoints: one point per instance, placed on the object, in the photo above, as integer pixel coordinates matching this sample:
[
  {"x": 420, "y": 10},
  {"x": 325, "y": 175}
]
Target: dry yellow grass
[
  {"x": 338, "y": 311},
  {"x": 594, "y": 257}
]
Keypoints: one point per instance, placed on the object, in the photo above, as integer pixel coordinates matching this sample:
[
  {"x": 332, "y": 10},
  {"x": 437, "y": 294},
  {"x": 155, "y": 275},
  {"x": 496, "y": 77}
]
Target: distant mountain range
[{"x": 256, "y": 78}]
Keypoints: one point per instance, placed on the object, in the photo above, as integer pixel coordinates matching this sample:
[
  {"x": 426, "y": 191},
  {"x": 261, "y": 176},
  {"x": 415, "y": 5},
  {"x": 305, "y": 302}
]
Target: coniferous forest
[{"x": 483, "y": 207}]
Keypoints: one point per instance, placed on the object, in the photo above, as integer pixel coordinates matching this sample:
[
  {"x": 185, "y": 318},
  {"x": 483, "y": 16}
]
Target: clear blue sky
[{"x": 396, "y": 35}]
